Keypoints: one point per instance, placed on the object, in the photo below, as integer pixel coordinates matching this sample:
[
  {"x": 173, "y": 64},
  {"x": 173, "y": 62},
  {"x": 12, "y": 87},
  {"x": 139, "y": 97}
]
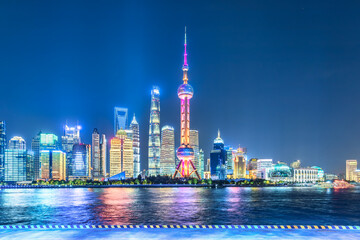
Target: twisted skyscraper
[{"x": 185, "y": 152}]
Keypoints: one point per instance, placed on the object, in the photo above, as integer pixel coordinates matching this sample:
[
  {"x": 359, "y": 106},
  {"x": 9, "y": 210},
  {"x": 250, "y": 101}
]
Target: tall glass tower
[
  {"x": 2, "y": 149},
  {"x": 167, "y": 156},
  {"x": 154, "y": 133},
  {"x": 95, "y": 155},
  {"x": 134, "y": 126},
  {"x": 185, "y": 152},
  {"x": 120, "y": 119},
  {"x": 70, "y": 138}
]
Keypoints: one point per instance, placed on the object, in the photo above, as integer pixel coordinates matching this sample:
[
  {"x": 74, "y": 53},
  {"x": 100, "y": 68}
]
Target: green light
[{"x": 48, "y": 139}]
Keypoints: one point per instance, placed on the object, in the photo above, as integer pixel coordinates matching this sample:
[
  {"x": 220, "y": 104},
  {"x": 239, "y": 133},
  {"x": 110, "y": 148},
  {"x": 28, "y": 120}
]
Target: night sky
[{"x": 278, "y": 77}]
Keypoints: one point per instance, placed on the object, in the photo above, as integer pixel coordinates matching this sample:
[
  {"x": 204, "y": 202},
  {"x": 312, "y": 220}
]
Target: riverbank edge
[{"x": 142, "y": 186}]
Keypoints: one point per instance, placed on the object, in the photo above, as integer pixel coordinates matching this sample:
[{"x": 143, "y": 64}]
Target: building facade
[
  {"x": 134, "y": 126},
  {"x": 81, "y": 162},
  {"x": 103, "y": 156},
  {"x": 35, "y": 147},
  {"x": 305, "y": 175},
  {"x": 263, "y": 165},
  {"x": 71, "y": 137},
  {"x": 167, "y": 153},
  {"x": 154, "y": 134},
  {"x": 194, "y": 143},
  {"x": 95, "y": 155},
  {"x": 252, "y": 168},
  {"x": 120, "y": 119},
  {"x": 201, "y": 163},
  {"x": 53, "y": 165},
  {"x": 3, "y": 143},
  {"x": 218, "y": 159},
  {"x": 239, "y": 163},
  {"x": 121, "y": 155},
  {"x": 351, "y": 166}
]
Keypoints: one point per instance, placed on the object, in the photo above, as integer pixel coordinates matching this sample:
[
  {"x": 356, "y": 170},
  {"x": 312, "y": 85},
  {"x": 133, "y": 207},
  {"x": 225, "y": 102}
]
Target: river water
[{"x": 133, "y": 206}]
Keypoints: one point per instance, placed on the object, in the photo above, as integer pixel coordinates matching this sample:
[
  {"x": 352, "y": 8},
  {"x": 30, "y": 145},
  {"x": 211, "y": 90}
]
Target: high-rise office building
[
  {"x": 121, "y": 155},
  {"x": 81, "y": 162},
  {"x": 71, "y": 137},
  {"x": 2, "y": 149},
  {"x": 134, "y": 126},
  {"x": 103, "y": 155},
  {"x": 252, "y": 168},
  {"x": 154, "y": 133},
  {"x": 239, "y": 163},
  {"x": 201, "y": 163},
  {"x": 229, "y": 159},
  {"x": 35, "y": 147},
  {"x": 53, "y": 164},
  {"x": 167, "y": 151},
  {"x": 120, "y": 119},
  {"x": 95, "y": 155},
  {"x": 218, "y": 159},
  {"x": 194, "y": 143},
  {"x": 351, "y": 166},
  {"x": 185, "y": 152},
  {"x": 19, "y": 163}
]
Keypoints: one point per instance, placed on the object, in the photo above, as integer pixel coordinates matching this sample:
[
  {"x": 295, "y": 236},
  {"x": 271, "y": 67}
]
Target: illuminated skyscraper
[
  {"x": 95, "y": 155},
  {"x": 351, "y": 166},
  {"x": 263, "y": 166},
  {"x": 239, "y": 163},
  {"x": 167, "y": 155},
  {"x": 194, "y": 143},
  {"x": 19, "y": 163},
  {"x": 120, "y": 119},
  {"x": 71, "y": 137},
  {"x": 103, "y": 155},
  {"x": 53, "y": 164},
  {"x": 185, "y": 152},
  {"x": 201, "y": 163},
  {"x": 134, "y": 126},
  {"x": 121, "y": 155},
  {"x": 35, "y": 147},
  {"x": 154, "y": 133},
  {"x": 218, "y": 159},
  {"x": 81, "y": 162},
  {"x": 2, "y": 149}
]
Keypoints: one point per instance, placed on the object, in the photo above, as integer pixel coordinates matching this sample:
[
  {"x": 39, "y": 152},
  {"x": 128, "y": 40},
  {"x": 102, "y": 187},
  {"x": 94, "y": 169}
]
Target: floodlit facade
[
  {"x": 351, "y": 166},
  {"x": 120, "y": 118},
  {"x": 279, "y": 172},
  {"x": 35, "y": 147},
  {"x": 121, "y": 155},
  {"x": 103, "y": 156},
  {"x": 252, "y": 168},
  {"x": 70, "y": 138},
  {"x": 263, "y": 165},
  {"x": 201, "y": 163},
  {"x": 154, "y": 134},
  {"x": 134, "y": 126},
  {"x": 81, "y": 162},
  {"x": 305, "y": 175},
  {"x": 239, "y": 163},
  {"x": 185, "y": 152},
  {"x": 167, "y": 153},
  {"x": 53, "y": 165}
]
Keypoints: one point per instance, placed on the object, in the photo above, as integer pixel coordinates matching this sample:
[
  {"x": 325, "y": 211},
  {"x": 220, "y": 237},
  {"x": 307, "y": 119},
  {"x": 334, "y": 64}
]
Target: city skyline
[{"x": 281, "y": 102}]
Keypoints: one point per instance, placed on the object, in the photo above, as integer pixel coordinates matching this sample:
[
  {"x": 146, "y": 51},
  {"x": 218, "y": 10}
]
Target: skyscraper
[
  {"x": 218, "y": 159},
  {"x": 120, "y": 119},
  {"x": 121, "y": 155},
  {"x": 35, "y": 147},
  {"x": 2, "y": 149},
  {"x": 81, "y": 162},
  {"x": 134, "y": 126},
  {"x": 53, "y": 164},
  {"x": 351, "y": 166},
  {"x": 167, "y": 152},
  {"x": 194, "y": 143},
  {"x": 201, "y": 163},
  {"x": 95, "y": 155},
  {"x": 263, "y": 166},
  {"x": 239, "y": 163},
  {"x": 103, "y": 155},
  {"x": 185, "y": 152},
  {"x": 71, "y": 137},
  {"x": 154, "y": 133},
  {"x": 19, "y": 164}
]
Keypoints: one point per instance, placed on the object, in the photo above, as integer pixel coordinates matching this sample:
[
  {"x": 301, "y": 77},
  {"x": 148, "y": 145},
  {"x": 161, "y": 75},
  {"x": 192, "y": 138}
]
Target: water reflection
[{"x": 180, "y": 206}]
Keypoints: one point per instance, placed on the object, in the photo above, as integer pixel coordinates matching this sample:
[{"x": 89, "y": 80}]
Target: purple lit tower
[{"x": 185, "y": 152}]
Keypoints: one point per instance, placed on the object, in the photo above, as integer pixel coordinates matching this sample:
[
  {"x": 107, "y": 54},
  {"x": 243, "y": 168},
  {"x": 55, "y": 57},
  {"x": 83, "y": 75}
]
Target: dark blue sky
[{"x": 278, "y": 77}]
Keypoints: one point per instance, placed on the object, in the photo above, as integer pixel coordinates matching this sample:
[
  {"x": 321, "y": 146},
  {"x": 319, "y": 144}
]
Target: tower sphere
[{"x": 185, "y": 90}]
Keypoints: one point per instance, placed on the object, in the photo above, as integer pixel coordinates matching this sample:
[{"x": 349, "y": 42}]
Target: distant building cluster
[{"x": 352, "y": 172}]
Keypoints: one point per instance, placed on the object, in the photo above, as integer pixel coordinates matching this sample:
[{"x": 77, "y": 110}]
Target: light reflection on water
[{"x": 180, "y": 206}]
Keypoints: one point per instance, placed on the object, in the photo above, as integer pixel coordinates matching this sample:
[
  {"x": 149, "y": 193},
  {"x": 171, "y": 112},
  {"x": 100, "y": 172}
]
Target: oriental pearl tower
[{"x": 185, "y": 152}]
